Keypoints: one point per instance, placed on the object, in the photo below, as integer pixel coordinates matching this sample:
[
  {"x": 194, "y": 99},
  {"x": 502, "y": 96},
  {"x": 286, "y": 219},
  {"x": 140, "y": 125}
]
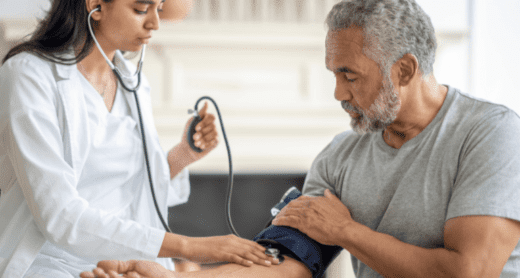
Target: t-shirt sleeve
[
  {"x": 488, "y": 175},
  {"x": 320, "y": 175}
]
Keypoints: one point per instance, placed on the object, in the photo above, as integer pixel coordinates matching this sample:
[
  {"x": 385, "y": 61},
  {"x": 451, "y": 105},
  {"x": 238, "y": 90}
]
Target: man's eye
[
  {"x": 141, "y": 12},
  {"x": 348, "y": 79}
]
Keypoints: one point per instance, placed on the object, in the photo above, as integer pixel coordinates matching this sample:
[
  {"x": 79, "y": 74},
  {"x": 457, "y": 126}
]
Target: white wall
[
  {"x": 496, "y": 51},
  {"x": 23, "y": 9}
]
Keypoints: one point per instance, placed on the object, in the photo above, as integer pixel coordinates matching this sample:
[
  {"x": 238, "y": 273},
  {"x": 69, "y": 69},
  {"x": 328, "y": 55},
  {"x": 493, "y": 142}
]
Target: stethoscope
[
  {"x": 191, "y": 130},
  {"x": 134, "y": 91}
]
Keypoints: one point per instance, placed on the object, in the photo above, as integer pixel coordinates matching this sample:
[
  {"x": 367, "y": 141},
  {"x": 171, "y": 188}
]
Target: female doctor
[{"x": 72, "y": 173}]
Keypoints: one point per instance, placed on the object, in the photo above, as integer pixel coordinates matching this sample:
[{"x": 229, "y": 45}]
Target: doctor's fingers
[
  {"x": 207, "y": 137},
  {"x": 207, "y": 123},
  {"x": 207, "y": 142},
  {"x": 246, "y": 250},
  {"x": 203, "y": 110}
]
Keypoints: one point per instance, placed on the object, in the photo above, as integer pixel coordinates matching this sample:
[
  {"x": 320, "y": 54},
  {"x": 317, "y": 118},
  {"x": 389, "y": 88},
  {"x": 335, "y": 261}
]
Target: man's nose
[{"x": 342, "y": 90}]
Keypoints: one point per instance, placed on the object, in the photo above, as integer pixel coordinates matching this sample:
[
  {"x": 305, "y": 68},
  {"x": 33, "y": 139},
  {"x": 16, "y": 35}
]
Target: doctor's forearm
[{"x": 178, "y": 159}]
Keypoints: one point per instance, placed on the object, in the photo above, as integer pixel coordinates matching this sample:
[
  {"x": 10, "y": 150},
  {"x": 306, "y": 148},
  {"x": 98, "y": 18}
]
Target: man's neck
[{"x": 418, "y": 110}]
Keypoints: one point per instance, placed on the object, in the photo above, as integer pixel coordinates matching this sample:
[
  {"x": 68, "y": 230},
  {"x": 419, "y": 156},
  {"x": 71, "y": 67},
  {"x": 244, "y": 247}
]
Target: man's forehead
[
  {"x": 344, "y": 44},
  {"x": 352, "y": 35}
]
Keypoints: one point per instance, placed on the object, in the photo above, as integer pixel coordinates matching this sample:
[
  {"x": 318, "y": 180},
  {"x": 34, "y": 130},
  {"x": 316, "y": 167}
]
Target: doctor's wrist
[
  {"x": 174, "y": 246},
  {"x": 178, "y": 159}
]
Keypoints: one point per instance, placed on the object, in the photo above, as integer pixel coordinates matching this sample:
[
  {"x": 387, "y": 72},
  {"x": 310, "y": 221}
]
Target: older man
[{"x": 427, "y": 184}]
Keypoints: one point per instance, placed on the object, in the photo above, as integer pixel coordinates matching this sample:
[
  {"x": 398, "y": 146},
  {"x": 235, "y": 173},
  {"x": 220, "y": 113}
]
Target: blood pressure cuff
[{"x": 297, "y": 245}]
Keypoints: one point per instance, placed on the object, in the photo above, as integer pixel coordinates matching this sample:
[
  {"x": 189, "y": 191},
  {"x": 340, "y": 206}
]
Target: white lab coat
[{"x": 44, "y": 142}]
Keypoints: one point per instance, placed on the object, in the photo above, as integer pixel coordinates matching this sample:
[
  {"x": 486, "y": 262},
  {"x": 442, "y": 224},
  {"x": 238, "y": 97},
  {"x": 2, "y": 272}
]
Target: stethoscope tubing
[{"x": 230, "y": 163}]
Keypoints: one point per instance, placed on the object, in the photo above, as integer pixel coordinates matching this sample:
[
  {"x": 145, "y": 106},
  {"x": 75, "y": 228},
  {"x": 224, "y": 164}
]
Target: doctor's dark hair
[
  {"x": 63, "y": 28},
  {"x": 391, "y": 28}
]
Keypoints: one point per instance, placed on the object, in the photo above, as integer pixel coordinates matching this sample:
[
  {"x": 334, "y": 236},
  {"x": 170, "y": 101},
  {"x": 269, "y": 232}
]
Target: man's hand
[
  {"x": 321, "y": 218},
  {"x": 134, "y": 269}
]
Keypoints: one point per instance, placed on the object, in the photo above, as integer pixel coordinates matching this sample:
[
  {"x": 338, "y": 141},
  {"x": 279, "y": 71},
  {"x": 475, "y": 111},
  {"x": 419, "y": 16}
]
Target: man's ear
[
  {"x": 408, "y": 68},
  {"x": 93, "y": 4}
]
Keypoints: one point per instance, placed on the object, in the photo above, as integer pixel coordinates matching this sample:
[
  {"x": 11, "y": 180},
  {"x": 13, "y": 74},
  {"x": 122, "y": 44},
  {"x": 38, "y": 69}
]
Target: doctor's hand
[
  {"x": 133, "y": 269},
  {"x": 206, "y": 134},
  {"x": 205, "y": 137},
  {"x": 321, "y": 218},
  {"x": 228, "y": 248}
]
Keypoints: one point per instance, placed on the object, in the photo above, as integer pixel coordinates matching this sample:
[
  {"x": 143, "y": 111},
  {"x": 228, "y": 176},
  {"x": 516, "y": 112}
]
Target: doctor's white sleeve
[
  {"x": 179, "y": 189},
  {"x": 48, "y": 181}
]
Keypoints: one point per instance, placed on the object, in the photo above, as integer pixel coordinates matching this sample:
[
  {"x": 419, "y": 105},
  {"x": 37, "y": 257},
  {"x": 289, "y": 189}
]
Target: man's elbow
[{"x": 467, "y": 267}]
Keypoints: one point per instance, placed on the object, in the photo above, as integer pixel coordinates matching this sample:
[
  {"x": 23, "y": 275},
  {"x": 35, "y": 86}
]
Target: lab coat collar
[{"x": 66, "y": 71}]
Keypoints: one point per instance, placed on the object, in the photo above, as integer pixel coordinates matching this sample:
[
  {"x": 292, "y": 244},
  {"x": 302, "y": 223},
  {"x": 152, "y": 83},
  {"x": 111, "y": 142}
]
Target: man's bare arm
[
  {"x": 290, "y": 268},
  {"x": 474, "y": 246}
]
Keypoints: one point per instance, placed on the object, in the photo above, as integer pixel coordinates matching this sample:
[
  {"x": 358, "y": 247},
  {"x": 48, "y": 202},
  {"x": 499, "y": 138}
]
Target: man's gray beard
[{"x": 381, "y": 113}]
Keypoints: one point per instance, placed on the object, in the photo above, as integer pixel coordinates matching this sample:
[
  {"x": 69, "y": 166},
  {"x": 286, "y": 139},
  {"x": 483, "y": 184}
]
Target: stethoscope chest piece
[{"x": 275, "y": 253}]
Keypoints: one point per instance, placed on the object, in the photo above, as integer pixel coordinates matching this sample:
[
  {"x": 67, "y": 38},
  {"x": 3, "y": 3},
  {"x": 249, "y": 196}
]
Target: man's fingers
[
  {"x": 133, "y": 274},
  {"x": 113, "y": 274},
  {"x": 328, "y": 194},
  {"x": 99, "y": 273},
  {"x": 87, "y": 274},
  {"x": 291, "y": 221},
  {"x": 121, "y": 267}
]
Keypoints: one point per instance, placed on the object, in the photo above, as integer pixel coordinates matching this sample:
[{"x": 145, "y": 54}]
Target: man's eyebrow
[
  {"x": 345, "y": 70},
  {"x": 151, "y": 2}
]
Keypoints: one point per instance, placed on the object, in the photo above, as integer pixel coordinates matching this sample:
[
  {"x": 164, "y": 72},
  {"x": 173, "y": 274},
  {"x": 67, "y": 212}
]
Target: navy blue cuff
[{"x": 293, "y": 243}]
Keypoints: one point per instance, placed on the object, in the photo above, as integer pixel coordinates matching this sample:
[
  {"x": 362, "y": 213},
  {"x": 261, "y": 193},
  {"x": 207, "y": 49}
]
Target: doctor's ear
[{"x": 94, "y": 5}]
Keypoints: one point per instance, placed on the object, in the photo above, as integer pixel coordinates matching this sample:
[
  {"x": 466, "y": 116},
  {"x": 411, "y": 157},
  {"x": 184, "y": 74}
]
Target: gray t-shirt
[{"x": 465, "y": 162}]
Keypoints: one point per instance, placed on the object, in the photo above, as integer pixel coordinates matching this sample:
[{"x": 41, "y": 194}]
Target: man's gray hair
[{"x": 391, "y": 28}]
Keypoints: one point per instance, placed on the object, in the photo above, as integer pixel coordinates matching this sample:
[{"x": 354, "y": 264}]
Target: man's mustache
[{"x": 350, "y": 107}]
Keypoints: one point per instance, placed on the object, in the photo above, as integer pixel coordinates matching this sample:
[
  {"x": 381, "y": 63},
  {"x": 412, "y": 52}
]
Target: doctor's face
[
  {"x": 127, "y": 24},
  {"x": 367, "y": 94}
]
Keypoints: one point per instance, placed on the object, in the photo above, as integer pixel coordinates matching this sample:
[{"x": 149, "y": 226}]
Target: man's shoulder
[
  {"x": 345, "y": 145},
  {"x": 348, "y": 139},
  {"x": 473, "y": 111}
]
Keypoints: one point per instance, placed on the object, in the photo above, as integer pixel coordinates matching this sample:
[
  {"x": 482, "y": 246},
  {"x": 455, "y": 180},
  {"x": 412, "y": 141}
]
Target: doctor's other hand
[
  {"x": 205, "y": 137},
  {"x": 228, "y": 248},
  {"x": 133, "y": 269}
]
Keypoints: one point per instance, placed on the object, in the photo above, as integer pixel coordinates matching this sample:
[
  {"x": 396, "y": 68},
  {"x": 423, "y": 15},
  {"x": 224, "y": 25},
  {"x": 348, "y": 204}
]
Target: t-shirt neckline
[{"x": 417, "y": 139}]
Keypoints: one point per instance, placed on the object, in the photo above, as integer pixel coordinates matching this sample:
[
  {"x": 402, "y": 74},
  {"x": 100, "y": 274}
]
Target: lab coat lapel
[
  {"x": 130, "y": 98},
  {"x": 143, "y": 96},
  {"x": 73, "y": 117}
]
